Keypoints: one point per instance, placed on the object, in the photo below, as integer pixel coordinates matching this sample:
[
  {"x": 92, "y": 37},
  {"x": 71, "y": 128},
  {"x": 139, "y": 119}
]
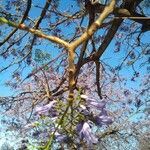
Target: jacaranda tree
[{"x": 70, "y": 93}]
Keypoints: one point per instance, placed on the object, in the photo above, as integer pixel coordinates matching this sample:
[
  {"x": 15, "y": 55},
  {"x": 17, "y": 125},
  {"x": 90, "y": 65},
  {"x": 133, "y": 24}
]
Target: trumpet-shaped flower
[
  {"x": 43, "y": 109},
  {"x": 85, "y": 133},
  {"x": 61, "y": 138},
  {"x": 93, "y": 103},
  {"x": 102, "y": 117},
  {"x": 103, "y": 120}
]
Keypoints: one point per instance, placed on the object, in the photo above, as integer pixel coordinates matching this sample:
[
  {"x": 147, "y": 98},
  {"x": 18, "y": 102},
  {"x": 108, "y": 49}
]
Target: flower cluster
[
  {"x": 97, "y": 109},
  {"x": 95, "y": 112}
]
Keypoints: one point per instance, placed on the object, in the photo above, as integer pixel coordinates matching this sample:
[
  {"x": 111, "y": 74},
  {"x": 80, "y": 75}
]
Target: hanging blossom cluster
[
  {"x": 96, "y": 113},
  {"x": 97, "y": 110},
  {"x": 93, "y": 113}
]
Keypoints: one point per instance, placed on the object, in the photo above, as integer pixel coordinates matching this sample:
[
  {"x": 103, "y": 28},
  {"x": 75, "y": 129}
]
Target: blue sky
[{"x": 113, "y": 61}]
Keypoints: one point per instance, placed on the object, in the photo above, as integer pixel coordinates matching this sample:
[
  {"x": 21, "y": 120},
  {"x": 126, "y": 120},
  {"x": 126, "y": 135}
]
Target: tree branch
[
  {"x": 22, "y": 20},
  {"x": 95, "y": 26},
  {"x": 97, "y": 63},
  {"x": 127, "y": 10},
  {"x": 38, "y": 33}
]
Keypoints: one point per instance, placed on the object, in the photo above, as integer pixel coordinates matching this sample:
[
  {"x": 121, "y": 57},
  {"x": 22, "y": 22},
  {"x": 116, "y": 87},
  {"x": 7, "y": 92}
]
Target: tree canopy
[{"x": 79, "y": 69}]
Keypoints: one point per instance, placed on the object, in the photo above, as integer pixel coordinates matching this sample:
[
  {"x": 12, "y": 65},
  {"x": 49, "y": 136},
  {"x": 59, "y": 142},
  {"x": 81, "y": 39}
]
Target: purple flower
[
  {"x": 46, "y": 108},
  {"x": 102, "y": 117},
  {"x": 103, "y": 112},
  {"x": 96, "y": 104},
  {"x": 79, "y": 126},
  {"x": 93, "y": 103},
  {"x": 84, "y": 110},
  {"x": 103, "y": 120},
  {"x": 86, "y": 133},
  {"x": 61, "y": 138}
]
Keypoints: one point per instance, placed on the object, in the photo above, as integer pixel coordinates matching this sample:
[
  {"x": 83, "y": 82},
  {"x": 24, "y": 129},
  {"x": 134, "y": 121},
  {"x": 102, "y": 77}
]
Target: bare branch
[
  {"x": 95, "y": 26},
  {"x": 38, "y": 33},
  {"x": 22, "y": 20}
]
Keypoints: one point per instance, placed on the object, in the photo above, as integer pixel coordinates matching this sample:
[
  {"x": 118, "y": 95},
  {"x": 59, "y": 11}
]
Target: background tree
[{"x": 59, "y": 51}]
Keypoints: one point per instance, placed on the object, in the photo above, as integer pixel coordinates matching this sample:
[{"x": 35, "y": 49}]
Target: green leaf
[{"x": 3, "y": 21}]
